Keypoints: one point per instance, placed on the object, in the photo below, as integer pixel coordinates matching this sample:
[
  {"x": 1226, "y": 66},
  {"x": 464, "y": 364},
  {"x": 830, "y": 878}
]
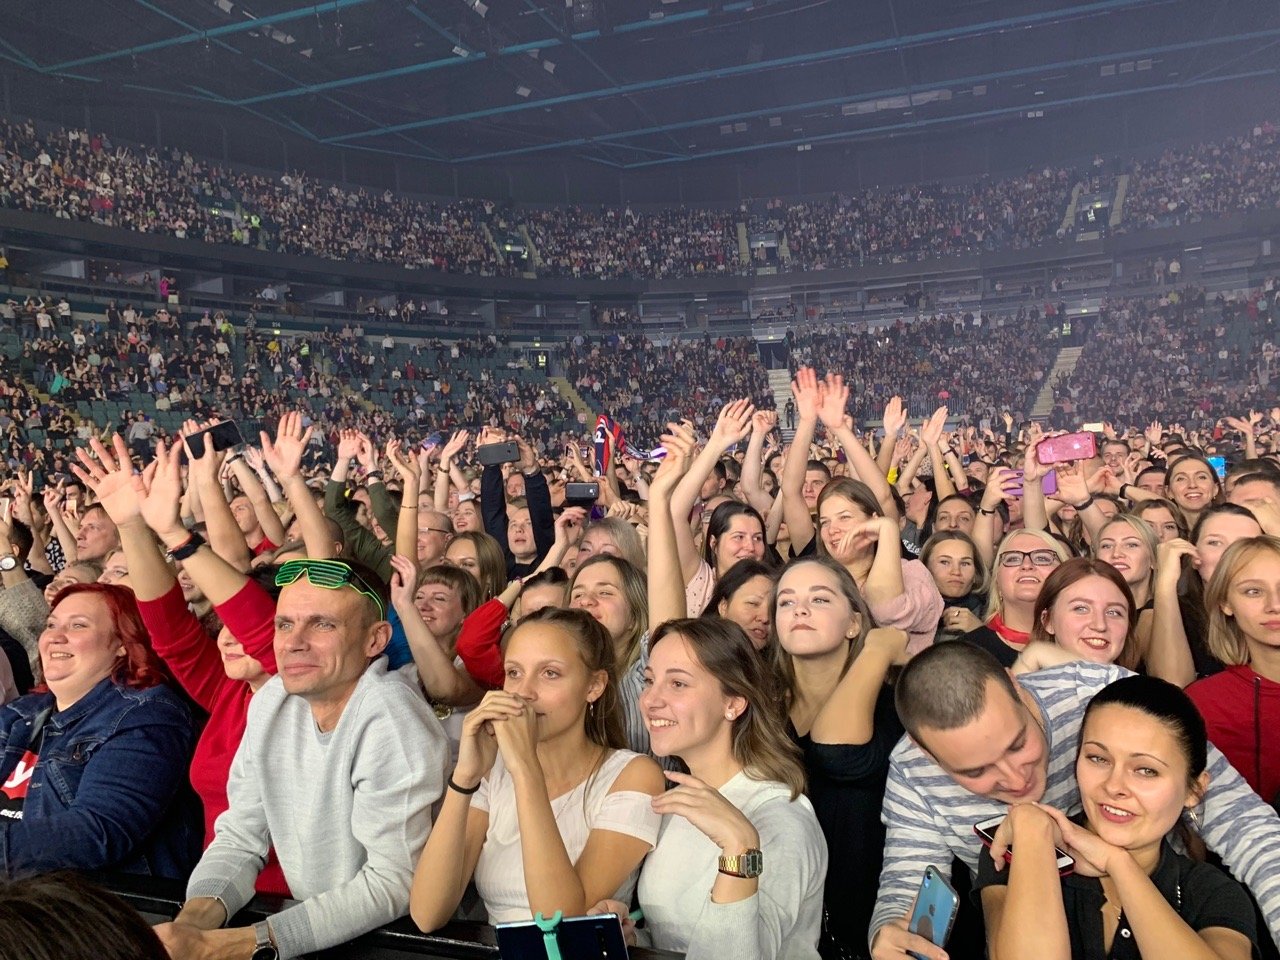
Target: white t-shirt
[
  {"x": 499, "y": 875},
  {"x": 781, "y": 922}
]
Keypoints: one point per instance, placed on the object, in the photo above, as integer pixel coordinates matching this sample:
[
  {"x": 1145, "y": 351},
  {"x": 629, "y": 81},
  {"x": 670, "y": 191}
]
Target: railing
[{"x": 159, "y": 900}]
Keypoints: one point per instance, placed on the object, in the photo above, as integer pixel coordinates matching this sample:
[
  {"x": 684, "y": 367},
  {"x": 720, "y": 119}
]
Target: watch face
[
  {"x": 268, "y": 952},
  {"x": 752, "y": 863},
  {"x": 8, "y": 563}
]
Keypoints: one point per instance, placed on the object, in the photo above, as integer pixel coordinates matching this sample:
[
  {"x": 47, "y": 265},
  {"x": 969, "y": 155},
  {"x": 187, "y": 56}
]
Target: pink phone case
[{"x": 1069, "y": 446}]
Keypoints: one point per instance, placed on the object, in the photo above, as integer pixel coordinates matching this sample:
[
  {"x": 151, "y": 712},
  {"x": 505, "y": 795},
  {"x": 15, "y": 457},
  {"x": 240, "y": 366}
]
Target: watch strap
[{"x": 748, "y": 864}]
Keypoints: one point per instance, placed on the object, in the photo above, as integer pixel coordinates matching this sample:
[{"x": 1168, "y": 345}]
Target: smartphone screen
[
  {"x": 1219, "y": 465},
  {"x": 934, "y": 912}
]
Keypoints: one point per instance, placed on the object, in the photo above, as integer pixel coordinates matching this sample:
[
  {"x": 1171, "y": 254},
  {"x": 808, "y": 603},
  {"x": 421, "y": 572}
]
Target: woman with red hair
[{"x": 93, "y": 761}]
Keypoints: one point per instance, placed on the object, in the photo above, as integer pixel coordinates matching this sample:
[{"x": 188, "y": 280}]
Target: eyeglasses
[
  {"x": 1039, "y": 558},
  {"x": 331, "y": 575},
  {"x": 437, "y": 530}
]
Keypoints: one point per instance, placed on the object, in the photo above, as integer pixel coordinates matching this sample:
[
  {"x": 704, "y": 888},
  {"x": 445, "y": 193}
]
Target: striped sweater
[{"x": 929, "y": 818}]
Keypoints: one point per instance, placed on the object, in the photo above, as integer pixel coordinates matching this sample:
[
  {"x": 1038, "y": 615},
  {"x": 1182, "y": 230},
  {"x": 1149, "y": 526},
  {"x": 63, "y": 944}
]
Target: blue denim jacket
[{"x": 110, "y": 788}]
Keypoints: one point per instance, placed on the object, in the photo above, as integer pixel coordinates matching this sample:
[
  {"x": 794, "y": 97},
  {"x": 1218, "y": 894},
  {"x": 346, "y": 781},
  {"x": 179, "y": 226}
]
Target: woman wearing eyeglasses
[{"x": 1024, "y": 561}]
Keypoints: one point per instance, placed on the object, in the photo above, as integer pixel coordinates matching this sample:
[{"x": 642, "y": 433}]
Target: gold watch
[{"x": 748, "y": 864}]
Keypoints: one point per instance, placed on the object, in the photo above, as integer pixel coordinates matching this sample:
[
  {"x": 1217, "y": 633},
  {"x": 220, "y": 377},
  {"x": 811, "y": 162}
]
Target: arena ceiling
[{"x": 643, "y": 83}]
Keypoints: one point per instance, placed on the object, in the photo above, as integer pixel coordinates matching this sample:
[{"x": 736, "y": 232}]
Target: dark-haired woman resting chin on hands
[{"x": 1141, "y": 768}]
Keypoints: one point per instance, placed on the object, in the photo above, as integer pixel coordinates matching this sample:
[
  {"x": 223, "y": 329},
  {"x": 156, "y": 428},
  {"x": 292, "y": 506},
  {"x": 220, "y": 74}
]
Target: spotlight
[
  {"x": 548, "y": 66},
  {"x": 523, "y": 91},
  {"x": 460, "y": 51}
]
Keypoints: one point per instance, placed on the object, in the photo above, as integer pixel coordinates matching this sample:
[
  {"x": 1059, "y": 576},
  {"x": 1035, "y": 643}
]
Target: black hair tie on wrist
[{"x": 465, "y": 791}]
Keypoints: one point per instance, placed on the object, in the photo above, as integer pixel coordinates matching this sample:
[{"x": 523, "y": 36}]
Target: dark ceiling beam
[
  {"x": 914, "y": 125},
  {"x": 1168, "y": 48},
  {"x": 194, "y": 35},
  {"x": 736, "y": 70},
  {"x": 506, "y": 51}
]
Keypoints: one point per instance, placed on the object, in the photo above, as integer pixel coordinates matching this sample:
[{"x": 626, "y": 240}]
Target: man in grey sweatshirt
[{"x": 340, "y": 763}]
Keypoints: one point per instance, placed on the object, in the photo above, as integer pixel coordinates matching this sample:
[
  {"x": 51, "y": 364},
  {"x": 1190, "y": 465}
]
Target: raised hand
[
  {"x": 568, "y": 525},
  {"x": 681, "y": 449},
  {"x": 456, "y": 444},
  {"x": 109, "y": 474},
  {"x": 253, "y": 457},
  {"x": 895, "y": 417},
  {"x": 931, "y": 429},
  {"x": 284, "y": 454},
  {"x": 763, "y": 421},
  {"x": 478, "y": 747},
  {"x": 1154, "y": 432},
  {"x": 367, "y": 455},
  {"x": 348, "y": 445},
  {"x": 404, "y": 577},
  {"x": 405, "y": 464},
  {"x": 833, "y": 396},
  {"x": 159, "y": 490},
  {"x": 23, "y": 490},
  {"x": 804, "y": 389},
  {"x": 1169, "y": 559},
  {"x": 733, "y": 425}
]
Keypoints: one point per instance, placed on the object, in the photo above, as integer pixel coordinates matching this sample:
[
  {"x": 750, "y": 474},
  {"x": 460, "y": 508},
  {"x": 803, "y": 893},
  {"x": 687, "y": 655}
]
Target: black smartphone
[
  {"x": 986, "y": 831},
  {"x": 222, "y": 436},
  {"x": 579, "y": 938},
  {"x": 492, "y": 454},
  {"x": 582, "y": 494}
]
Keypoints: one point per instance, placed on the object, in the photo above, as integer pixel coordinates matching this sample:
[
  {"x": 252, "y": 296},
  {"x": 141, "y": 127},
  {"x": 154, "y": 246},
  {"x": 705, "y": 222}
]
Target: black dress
[
  {"x": 1203, "y": 895},
  {"x": 846, "y": 788}
]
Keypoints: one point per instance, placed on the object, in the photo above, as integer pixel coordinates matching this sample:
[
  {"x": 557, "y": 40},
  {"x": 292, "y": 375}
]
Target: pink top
[{"x": 916, "y": 610}]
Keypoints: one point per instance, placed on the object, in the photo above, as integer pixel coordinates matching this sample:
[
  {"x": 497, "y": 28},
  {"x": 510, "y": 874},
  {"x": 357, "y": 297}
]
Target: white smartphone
[{"x": 986, "y": 831}]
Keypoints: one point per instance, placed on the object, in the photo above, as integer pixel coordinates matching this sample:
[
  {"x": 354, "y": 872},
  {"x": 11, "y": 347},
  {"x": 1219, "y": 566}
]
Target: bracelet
[
  {"x": 443, "y": 470},
  {"x": 188, "y": 547},
  {"x": 1083, "y": 506},
  {"x": 465, "y": 791},
  {"x": 1123, "y": 488},
  {"x": 234, "y": 457},
  {"x": 373, "y": 476},
  {"x": 986, "y": 513}
]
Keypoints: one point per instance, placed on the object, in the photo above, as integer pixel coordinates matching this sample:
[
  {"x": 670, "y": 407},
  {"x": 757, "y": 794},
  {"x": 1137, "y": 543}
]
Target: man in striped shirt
[{"x": 979, "y": 741}]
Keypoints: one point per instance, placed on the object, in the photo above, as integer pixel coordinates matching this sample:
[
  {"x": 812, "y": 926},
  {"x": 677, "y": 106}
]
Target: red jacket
[
  {"x": 478, "y": 644},
  {"x": 1242, "y": 713},
  {"x": 193, "y": 656}
]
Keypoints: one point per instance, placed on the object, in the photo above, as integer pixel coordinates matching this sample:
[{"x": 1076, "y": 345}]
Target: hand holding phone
[
  {"x": 935, "y": 909},
  {"x": 986, "y": 831}
]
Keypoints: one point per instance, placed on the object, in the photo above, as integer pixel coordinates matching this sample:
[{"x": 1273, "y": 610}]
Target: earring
[
  {"x": 1194, "y": 815},
  {"x": 729, "y": 715}
]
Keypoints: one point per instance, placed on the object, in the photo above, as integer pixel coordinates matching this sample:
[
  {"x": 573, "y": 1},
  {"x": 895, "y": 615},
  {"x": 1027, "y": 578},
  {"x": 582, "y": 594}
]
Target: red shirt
[
  {"x": 193, "y": 656},
  {"x": 1242, "y": 712}
]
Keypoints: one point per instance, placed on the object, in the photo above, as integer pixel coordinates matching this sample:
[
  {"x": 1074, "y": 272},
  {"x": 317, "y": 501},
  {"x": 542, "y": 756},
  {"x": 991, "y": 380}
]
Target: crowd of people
[
  {"x": 1179, "y": 356},
  {"x": 1207, "y": 179},
  {"x": 762, "y": 690},
  {"x": 75, "y": 174},
  {"x": 983, "y": 365}
]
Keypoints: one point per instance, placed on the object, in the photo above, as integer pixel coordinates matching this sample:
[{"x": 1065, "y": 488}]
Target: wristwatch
[
  {"x": 8, "y": 562},
  {"x": 263, "y": 948},
  {"x": 748, "y": 864}
]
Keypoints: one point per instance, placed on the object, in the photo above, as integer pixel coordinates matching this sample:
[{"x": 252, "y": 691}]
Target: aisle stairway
[
  {"x": 569, "y": 393},
  {"x": 1069, "y": 215},
  {"x": 1064, "y": 365},
  {"x": 780, "y": 384},
  {"x": 744, "y": 247},
  {"x": 1117, "y": 206}
]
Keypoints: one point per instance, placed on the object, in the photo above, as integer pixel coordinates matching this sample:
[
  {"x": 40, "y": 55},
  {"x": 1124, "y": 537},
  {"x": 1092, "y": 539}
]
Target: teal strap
[{"x": 550, "y": 942}]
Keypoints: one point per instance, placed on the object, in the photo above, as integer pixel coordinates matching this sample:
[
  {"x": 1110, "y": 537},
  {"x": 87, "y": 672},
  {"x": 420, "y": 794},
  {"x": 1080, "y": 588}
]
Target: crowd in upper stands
[{"x": 74, "y": 174}]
